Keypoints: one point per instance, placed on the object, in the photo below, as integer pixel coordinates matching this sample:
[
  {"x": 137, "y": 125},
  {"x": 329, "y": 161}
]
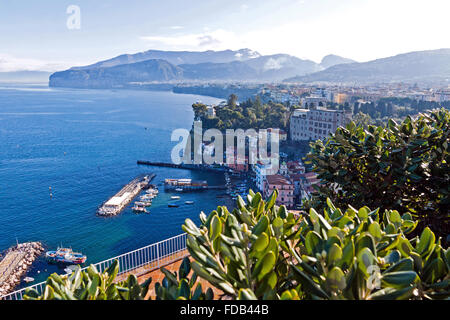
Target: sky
[{"x": 48, "y": 35}]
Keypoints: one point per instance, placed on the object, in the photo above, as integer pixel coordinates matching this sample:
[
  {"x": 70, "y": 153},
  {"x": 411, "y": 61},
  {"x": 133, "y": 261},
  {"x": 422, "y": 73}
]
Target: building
[
  {"x": 285, "y": 189},
  {"x": 313, "y": 124}
]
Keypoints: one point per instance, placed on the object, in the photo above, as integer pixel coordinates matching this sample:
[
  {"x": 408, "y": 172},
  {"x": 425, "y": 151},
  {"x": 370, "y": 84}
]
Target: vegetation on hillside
[{"x": 245, "y": 115}]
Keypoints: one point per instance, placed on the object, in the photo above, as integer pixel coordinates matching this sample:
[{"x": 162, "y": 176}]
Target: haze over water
[{"x": 84, "y": 145}]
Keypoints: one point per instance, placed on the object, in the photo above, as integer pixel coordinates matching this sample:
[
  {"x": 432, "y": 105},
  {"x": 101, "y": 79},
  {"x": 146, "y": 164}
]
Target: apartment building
[
  {"x": 314, "y": 124},
  {"x": 285, "y": 189}
]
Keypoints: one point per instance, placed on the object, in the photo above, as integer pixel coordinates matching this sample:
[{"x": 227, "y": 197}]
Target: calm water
[{"x": 84, "y": 145}]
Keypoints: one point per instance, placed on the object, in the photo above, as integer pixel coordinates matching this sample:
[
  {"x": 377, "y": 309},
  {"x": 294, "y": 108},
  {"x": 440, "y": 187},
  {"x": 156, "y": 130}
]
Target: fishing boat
[
  {"x": 65, "y": 255},
  {"x": 189, "y": 202},
  {"x": 173, "y": 205}
]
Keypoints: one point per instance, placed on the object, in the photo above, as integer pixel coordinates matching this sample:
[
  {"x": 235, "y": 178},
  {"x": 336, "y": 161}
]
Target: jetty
[
  {"x": 121, "y": 199},
  {"x": 15, "y": 263},
  {"x": 197, "y": 167},
  {"x": 188, "y": 185}
]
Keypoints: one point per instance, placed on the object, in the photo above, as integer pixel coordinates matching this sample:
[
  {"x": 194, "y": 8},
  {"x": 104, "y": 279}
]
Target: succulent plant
[
  {"x": 180, "y": 287},
  {"x": 261, "y": 251},
  {"x": 91, "y": 285}
]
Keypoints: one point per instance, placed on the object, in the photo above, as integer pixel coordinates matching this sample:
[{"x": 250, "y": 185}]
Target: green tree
[{"x": 399, "y": 166}]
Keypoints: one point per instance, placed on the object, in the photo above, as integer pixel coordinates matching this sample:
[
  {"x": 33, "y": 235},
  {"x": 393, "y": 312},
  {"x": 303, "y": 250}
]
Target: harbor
[
  {"x": 15, "y": 264},
  {"x": 121, "y": 199}
]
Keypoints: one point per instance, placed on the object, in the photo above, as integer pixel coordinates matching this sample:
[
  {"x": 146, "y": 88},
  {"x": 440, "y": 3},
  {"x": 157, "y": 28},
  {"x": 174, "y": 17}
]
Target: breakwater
[{"x": 15, "y": 263}]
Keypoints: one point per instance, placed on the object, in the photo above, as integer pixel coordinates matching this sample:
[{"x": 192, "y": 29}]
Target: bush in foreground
[
  {"x": 261, "y": 251},
  {"x": 402, "y": 166}
]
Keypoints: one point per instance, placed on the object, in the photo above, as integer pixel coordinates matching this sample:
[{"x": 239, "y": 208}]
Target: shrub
[
  {"x": 402, "y": 167},
  {"x": 261, "y": 251},
  {"x": 91, "y": 285}
]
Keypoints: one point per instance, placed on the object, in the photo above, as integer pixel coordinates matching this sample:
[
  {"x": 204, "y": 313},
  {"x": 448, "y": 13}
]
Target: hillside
[{"x": 428, "y": 66}]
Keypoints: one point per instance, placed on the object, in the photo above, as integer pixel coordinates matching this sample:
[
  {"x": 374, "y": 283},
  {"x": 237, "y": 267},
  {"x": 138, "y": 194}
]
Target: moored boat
[{"x": 65, "y": 255}]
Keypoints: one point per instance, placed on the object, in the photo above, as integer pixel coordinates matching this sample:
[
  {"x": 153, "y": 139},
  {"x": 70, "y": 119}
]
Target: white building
[{"x": 313, "y": 124}]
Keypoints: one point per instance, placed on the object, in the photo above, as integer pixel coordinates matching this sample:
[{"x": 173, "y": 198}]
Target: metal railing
[{"x": 155, "y": 255}]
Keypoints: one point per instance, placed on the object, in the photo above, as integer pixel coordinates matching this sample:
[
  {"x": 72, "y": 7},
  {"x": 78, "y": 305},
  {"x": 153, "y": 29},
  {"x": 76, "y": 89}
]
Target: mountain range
[
  {"x": 155, "y": 66},
  {"x": 418, "y": 66}
]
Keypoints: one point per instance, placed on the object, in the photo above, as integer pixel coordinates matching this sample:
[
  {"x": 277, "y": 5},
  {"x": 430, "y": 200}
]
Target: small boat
[
  {"x": 65, "y": 255},
  {"x": 175, "y": 197},
  {"x": 189, "y": 202},
  {"x": 173, "y": 205},
  {"x": 28, "y": 279},
  {"x": 143, "y": 203},
  {"x": 179, "y": 190},
  {"x": 139, "y": 209}
]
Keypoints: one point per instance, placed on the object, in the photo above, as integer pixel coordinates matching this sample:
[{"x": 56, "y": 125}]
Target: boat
[
  {"x": 143, "y": 203},
  {"x": 28, "y": 279},
  {"x": 189, "y": 202},
  {"x": 173, "y": 205},
  {"x": 139, "y": 209},
  {"x": 175, "y": 197},
  {"x": 65, "y": 255},
  {"x": 179, "y": 190}
]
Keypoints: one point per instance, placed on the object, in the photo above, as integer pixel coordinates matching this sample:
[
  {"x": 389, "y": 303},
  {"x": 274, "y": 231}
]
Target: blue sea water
[{"x": 84, "y": 145}]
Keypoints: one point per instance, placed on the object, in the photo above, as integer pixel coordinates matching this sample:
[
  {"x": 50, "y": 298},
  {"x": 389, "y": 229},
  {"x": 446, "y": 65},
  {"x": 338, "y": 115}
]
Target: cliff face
[{"x": 117, "y": 76}]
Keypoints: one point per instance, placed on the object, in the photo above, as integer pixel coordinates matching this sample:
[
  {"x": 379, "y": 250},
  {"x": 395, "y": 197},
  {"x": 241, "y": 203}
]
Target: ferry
[{"x": 65, "y": 255}]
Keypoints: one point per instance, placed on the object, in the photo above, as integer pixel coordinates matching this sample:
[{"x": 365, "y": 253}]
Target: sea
[{"x": 63, "y": 152}]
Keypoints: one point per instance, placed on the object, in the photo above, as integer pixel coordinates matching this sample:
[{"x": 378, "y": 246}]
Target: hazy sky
[{"x": 34, "y": 34}]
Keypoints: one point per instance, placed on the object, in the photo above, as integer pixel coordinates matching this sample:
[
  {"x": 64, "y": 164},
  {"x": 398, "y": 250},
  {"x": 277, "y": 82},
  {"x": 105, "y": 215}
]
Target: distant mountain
[
  {"x": 177, "y": 57},
  {"x": 107, "y": 77},
  {"x": 235, "y": 70},
  {"x": 332, "y": 60},
  {"x": 425, "y": 66},
  {"x": 281, "y": 66},
  {"x": 228, "y": 65},
  {"x": 25, "y": 76}
]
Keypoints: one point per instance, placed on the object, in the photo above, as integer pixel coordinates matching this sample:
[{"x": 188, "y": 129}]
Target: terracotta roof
[{"x": 278, "y": 179}]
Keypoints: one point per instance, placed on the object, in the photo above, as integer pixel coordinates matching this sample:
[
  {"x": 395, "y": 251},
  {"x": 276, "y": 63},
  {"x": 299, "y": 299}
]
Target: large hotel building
[{"x": 318, "y": 123}]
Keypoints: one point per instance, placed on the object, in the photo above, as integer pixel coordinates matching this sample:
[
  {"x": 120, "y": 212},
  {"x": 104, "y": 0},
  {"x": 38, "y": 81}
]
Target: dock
[
  {"x": 15, "y": 264},
  {"x": 189, "y": 185},
  {"x": 196, "y": 167},
  {"x": 121, "y": 199}
]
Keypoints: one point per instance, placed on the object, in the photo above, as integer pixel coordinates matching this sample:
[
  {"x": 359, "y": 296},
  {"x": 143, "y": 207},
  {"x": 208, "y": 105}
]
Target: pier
[
  {"x": 15, "y": 264},
  {"x": 119, "y": 201},
  {"x": 197, "y": 167},
  {"x": 188, "y": 185}
]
